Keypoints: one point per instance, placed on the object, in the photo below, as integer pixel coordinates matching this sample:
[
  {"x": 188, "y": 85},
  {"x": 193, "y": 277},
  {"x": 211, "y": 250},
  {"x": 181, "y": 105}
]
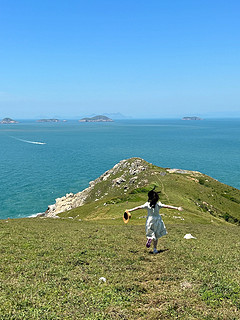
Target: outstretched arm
[
  {"x": 172, "y": 207},
  {"x": 133, "y": 209}
]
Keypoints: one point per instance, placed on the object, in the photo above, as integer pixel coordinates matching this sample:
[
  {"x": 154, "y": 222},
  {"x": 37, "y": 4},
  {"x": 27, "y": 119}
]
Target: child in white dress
[{"x": 155, "y": 227}]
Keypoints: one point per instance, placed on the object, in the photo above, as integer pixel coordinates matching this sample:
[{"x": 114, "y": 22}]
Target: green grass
[{"x": 50, "y": 269}]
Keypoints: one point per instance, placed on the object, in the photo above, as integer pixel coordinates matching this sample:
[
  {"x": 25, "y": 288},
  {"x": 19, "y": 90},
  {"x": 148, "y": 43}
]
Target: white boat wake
[{"x": 27, "y": 141}]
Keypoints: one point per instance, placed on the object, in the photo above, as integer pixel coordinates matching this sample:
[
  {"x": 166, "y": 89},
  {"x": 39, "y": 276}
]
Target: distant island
[
  {"x": 96, "y": 119},
  {"x": 48, "y": 120},
  {"x": 191, "y": 118},
  {"x": 8, "y": 120}
]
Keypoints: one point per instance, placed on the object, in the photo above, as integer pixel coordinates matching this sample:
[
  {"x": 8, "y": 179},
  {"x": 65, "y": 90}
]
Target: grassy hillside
[
  {"x": 50, "y": 268},
  {"x": 202, "y": 197}
]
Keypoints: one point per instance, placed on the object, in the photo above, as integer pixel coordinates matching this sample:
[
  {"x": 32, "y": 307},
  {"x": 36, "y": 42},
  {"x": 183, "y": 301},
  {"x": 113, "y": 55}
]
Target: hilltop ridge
[{"x": 127, "y": 184}]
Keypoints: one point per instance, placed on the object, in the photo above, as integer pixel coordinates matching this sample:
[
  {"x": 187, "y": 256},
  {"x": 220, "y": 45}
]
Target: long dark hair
[{"x": 153, "y": 197}]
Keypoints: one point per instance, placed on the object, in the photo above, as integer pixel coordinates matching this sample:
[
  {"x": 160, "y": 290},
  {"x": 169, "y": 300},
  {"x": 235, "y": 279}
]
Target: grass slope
[{"x": 50, "y": 268}]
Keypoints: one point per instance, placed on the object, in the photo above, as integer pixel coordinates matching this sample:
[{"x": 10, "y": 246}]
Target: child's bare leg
[{"x": 155, "y": 242}]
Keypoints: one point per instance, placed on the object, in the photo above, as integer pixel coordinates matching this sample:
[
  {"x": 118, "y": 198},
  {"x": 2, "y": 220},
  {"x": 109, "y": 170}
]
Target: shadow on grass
[{"x": 159, "y": 251}]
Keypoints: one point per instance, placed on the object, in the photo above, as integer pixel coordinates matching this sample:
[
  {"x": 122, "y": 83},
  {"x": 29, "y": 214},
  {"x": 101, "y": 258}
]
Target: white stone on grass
[{"x": 189, "y": 236}]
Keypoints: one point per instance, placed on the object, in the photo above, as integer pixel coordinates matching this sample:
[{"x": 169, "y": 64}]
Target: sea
[{"x": 40, "y": 162}]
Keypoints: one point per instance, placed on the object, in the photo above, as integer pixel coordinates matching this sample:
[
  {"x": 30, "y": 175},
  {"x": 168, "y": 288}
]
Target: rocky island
[
  {"x": 191, "y": 118},
  {"x": 48, "y": 120},
  {"x": 8, "y": 120},
  {"x": 96, "y": 119}
]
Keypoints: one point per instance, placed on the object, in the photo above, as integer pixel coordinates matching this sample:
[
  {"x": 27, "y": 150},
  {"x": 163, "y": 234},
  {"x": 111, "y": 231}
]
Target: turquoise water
[{"x": 33, "y": 175}]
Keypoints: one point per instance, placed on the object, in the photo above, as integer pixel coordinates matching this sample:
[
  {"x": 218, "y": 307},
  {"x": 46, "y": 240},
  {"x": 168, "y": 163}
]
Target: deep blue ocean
[{"x": 32, "y": 175}]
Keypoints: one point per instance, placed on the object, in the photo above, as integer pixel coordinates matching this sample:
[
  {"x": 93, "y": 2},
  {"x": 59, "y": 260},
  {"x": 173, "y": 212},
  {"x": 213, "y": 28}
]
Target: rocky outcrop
[
  {"x": 183, "y": 171},
  {"x": 123, "y": 175},
  {"x": 66, "y": 203}
]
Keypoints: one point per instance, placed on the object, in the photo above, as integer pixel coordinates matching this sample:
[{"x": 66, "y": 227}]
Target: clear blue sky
[{"x": 141, "y": 58}]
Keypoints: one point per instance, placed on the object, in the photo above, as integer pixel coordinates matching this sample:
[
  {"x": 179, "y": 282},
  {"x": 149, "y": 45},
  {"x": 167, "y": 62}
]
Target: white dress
[{"x": 155, "y": 227}]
